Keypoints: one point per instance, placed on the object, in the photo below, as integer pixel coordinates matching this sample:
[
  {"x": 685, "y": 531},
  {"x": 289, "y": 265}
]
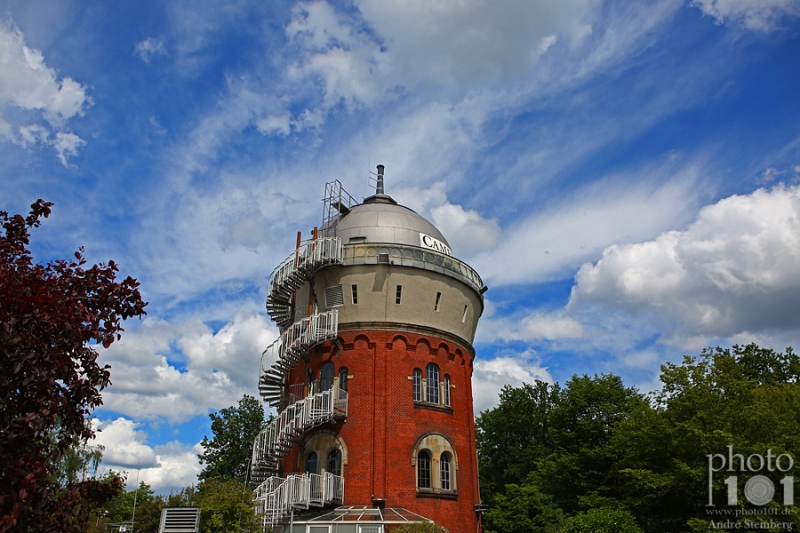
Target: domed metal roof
[{"x": 381, "y": 220}]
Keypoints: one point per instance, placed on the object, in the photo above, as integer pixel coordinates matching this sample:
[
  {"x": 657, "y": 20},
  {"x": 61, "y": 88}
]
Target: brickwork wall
[{"x": 384, "y": 423}]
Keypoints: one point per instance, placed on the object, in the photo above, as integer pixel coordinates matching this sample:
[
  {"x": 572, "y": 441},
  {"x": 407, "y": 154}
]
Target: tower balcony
[
  {"x": 295, "y": 270},
  {"x": 280, "y": 356},
  {"x": 285, "y": 430},
  {"x": 276, "y": 497}
]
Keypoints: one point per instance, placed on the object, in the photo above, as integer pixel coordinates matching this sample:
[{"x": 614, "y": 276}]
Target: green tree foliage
[
  {"x": 512, "y": 437},
  {"x": 523, "y": 509},
  {"x": 227, "y": 454},
  {"x": 51, "y": 319},
  {"x": 601, "y": 520},
  {"x": 614, "y": 452},
  {"x": 226, "y": 506},
  {"x": 148, "y": 508}
]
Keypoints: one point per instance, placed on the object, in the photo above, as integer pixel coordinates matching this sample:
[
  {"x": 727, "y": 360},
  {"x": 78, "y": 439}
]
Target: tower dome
[{"x": 380, "y": 219}]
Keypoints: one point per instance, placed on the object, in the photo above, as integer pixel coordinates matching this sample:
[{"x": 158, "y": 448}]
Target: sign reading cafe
[{"x": 432, "y": 243}]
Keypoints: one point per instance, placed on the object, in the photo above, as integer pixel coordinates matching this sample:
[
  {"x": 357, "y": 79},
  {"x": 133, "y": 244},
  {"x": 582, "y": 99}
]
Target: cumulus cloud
[
  {"x": 165, "y": 468},
  {"x": 28, "y": 84},
  {"x": 149, "y": 48},
  {"x": 490, "y": 376},
  {"x": 759, "y": 15},
  {"x": 180, "y": 370},
  {"x": 734, "y": 271}
]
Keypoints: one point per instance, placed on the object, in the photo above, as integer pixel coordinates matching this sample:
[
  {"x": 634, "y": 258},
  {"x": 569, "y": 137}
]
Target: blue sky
[{"x": 624, "y": 175}]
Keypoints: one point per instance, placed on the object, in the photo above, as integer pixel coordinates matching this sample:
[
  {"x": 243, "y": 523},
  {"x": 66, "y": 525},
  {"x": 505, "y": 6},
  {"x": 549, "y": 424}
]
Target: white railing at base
[
  {"x": 276, "y": 497},
  {"x": 280, "y": 435}
]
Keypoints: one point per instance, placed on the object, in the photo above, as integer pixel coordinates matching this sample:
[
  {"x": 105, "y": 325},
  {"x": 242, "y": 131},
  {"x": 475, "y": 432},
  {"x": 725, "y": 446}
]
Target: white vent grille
[
  {"x": 180, "y": 520},
  {"x": 334, "y": 296}
]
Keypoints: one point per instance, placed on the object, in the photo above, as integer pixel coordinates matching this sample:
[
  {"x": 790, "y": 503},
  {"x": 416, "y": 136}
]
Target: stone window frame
[
  {"x": 323, "y": 442},
  {"x": 420, "y": 393},
  {"x": 436, "y": 445}
]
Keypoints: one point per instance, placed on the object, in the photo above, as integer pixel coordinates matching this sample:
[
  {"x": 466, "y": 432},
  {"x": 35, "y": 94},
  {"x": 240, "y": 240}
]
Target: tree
[
  {"x": 513, "y": 436},
  {"x": 523, "y": 509},
  {"x": 601, "y": 520},
  {"x": 226, "y": 506},
  {"x": 52, "y": 318},
  {"x": 228, "y": 453}
]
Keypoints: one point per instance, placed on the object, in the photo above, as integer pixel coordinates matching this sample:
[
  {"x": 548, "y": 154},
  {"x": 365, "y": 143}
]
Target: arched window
[
  {"x": 417, "y": 383},
  {"x": 326, "y": 376},
  {"x": 334, "y": 463},
  {"x": 445, "y": 470},
  {"x": 446, "y": 391},
  {"x": 432, "y": 388},
  {"x": 311, "y": 463},
  {"x": 424, "y": 470},
  {"x": 436, "y": 462},
  {"x": 343, "y": 378}
]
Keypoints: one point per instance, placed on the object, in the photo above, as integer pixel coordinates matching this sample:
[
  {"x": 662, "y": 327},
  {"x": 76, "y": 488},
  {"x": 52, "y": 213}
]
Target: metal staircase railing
[
  {"x": 294, "y": 343},
  {"x": 281, "y": 434},
  {"x": 276, "y": 497},
  {"x": 295, "y": 270}
]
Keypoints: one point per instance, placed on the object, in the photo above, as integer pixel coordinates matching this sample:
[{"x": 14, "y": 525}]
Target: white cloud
[
  {"x": 28, "y": 84},
  {"x": 734, "y": 271},
  {"x": 461, "y": 43},
  {"x": 532, "y": 327},
  {"x": 149, "y": 48},
  {"x": 165, "y": 468},
  {"x": 548, "y": 244},
  {"x": 180, "y": 370},
  {"x": 466, "y": 231},
  {"x": 124, "y": 445},
  {"x": 66, "y": 145},
  {"x": 760, "y": 15},
  {"x": 490, "y": 376}
]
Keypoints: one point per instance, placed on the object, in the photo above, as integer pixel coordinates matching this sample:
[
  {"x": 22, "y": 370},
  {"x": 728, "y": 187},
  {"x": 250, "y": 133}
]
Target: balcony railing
[
  {"x": 295, "y": 270},
  {"x": 276, "y": 497},
  {"x": 294, "y": 343},
  {"x": 280, "y": 435}
]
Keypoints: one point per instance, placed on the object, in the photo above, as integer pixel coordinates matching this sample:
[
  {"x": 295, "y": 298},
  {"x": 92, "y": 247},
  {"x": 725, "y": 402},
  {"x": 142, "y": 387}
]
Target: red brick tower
[{"x": 371, "y": 377}]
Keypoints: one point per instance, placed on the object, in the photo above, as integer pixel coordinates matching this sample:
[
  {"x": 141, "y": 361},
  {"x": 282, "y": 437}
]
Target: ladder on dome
[
  {"x": 295, "y": 270},
  {"x": 276, "y": 497},
  {"x": 336, "y": 202}
]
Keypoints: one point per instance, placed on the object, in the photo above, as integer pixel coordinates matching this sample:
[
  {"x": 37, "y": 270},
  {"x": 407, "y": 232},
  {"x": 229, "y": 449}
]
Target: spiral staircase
[{"x": 276, "y": 497}]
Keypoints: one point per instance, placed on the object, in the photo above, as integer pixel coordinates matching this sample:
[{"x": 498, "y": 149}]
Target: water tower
[{"x": 371, "y": 376}]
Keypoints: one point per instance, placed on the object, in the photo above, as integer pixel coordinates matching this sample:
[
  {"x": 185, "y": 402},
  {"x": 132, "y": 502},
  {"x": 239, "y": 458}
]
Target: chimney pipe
[{"x": 379, "y": 187}]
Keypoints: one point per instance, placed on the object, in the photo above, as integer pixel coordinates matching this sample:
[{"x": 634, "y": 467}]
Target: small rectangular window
[
  {"x": 398, "y": 294},
  {"x": 438, "y": 298},
  {"x": 354, "y": 290},
  {"x": 464, "y": 316}
]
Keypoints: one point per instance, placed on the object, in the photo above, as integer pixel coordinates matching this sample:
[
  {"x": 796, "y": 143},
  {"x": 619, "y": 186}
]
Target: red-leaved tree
[{"x": 51, "y": 316}]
